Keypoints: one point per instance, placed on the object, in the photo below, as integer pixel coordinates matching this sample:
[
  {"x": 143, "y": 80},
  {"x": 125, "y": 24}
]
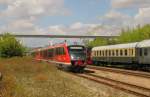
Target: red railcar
[{"x": 70, "y": 57}]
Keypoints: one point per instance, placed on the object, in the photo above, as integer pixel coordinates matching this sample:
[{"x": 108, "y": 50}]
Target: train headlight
[{"x": 72, "y": 56}]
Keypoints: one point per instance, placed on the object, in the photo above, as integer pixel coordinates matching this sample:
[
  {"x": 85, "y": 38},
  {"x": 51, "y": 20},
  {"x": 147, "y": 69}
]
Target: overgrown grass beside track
[{"x": 24, "y": 77}]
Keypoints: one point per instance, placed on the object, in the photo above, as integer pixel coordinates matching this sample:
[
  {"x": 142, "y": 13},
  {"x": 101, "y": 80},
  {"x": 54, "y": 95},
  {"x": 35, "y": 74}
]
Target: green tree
[
  {"x": 10, "y": 46},
  {"x": 129, "y": 35},
  {"x": 98, "y": 42},
  {"x": 135, "y": 35}
]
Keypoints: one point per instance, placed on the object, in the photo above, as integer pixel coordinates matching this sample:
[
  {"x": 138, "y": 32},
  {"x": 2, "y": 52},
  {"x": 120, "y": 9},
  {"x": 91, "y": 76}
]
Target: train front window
[{"x": 77, "y": 52}]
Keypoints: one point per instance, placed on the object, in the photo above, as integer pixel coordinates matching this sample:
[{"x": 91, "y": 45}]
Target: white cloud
[
  {"x": 77, "y": 28},
  {"x": 114, "y": 18},
  {"x": 21, "y": 26},
  {"x": 130, "y": 3},
  {"x": 32, "y": 8},
  {"x": 143, "y": 16},
  {"x": 20, "y": 16},
  {"x": 57, "y": 29}
]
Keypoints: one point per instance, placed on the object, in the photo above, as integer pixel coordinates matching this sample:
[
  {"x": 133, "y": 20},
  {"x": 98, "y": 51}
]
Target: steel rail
[
  {"x": 104, "y": 81},
  {"x": 126, "y": 72}
]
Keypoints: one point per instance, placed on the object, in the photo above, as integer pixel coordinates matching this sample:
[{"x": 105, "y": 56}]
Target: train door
[{"x": 144, "y": 55}]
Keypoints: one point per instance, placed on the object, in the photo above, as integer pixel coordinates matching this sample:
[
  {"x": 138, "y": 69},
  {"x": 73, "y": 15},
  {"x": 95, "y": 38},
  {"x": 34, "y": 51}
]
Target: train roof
[
  {"x": 117, "y": 46},
  {"x": 144, "y": 43}
]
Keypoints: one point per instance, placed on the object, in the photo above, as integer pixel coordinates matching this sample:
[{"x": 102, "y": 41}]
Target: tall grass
[{"x": 24, "y": 77}]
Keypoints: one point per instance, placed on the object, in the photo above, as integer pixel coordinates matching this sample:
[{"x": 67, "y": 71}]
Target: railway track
[
  {"x": 126, "y": 72},
  {"x": 129, "y": 88}
]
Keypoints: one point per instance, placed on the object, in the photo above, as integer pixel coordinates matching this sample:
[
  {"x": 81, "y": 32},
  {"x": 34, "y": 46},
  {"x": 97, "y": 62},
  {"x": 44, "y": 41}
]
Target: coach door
[{"x": 144, "y": 55}]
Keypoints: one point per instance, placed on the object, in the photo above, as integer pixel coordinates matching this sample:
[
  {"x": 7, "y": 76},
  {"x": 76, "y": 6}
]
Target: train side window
[
  {"x": 109, "y": 52},
  {"x": 113, "y": 53},
  {"x": 121, "y": 52},
  {"x": 131, "y": 52},
  {"x": 99, "y": 53},
  {"x": 145, "y": 51},
  {"x": 126, "y": 52},
  {"x": 56, "y": 51},
  {"x": 49, "y": 53},
  {"x": 106, "y": 53},
  {"x": 140, "y": 51},
  {"x": 116, "y": 52},
  {"x": 103, "y": 53},
  {"x": 63, "y": 51}
]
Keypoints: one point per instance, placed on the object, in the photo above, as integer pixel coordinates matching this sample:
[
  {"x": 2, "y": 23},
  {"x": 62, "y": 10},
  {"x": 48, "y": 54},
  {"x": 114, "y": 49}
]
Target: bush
[{"x": 10, "y": 46}]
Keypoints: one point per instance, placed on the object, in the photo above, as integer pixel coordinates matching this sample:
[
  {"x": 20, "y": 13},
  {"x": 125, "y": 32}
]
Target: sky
[{"x": 71, "y": 17}]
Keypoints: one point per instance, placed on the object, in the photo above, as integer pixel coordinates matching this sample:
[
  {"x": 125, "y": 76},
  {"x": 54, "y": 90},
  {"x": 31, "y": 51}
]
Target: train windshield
[{"x": 77, "y": 52}]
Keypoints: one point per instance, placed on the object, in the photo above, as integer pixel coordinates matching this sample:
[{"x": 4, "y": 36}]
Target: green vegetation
[
  {"x": 10, "y": 46},
  {"x": 25, "y": 77},
  {"x": 126, "y": 36}
]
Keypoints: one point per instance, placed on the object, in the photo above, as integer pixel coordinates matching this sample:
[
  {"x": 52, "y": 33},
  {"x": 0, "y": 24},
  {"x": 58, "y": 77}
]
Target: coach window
[
  {"x": 113, "y": 53},
  {"x": 103, "y": 53},
  {"x": 63, "y": 50},
  {"x": 145, "y": 52},
  {"x": 126, "y": 52},
  {"x": 116, "y": 52},
  {"x": 106, "y": 53},
  {"x": 109, "y": 52},
  {"x": 50, "y": 53},
  {"x": 100, "y": 52},
  {"x": 56, "y": 51},
  {"x": 96, "y": 53},
  {"x": 121, "y": 52},
  {"x": 140, "y": 51}
]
